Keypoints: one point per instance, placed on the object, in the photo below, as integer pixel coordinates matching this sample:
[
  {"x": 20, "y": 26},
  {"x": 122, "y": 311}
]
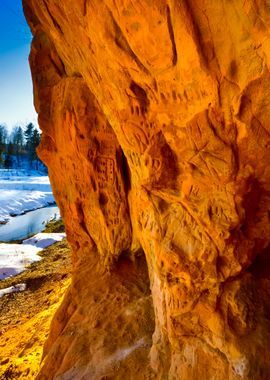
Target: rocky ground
[
  {"x": 25, "y": 317},
  {"x": 120, "y": 313}
]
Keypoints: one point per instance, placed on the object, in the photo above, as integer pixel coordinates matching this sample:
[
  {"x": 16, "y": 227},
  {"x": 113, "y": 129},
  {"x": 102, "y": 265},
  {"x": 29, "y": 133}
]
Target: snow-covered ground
[
  {"x": 22, "y": 191},
  {"x": 44, "y": 240},
  {"x": 12, "y": 289},
  {"x": 14, "y": 258}
]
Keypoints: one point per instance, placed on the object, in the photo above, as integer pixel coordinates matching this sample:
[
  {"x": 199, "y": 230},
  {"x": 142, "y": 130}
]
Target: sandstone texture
[{"x": 156, "y": 131}]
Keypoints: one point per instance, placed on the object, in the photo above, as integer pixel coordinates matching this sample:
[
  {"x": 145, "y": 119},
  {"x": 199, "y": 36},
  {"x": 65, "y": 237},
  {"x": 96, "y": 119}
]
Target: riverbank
[
  {"x": 25, "y": 316},
  {"x": 23, "y": 226},
  {"x": 15, "y": 258},
  {"x": 22, "y": 191}
]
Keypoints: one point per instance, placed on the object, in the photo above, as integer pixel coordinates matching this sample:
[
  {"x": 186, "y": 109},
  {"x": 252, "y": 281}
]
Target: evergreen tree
[
  {"x": 34, "y": 144},
  {"x": 8, "y": 157},
  {"x": 3, "y": 142},
  {"x": 17, "y": 140},
  {"x": 21, "y": 143},
  {"x": 17, "y": 137},
  {"x": 28, "y": 134},
  {"x": 3, "y": 135}
]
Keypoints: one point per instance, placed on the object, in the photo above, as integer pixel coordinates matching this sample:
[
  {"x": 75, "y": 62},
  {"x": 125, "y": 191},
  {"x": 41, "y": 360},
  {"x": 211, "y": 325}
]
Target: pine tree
[
  {"x": 3, "y": 142},
  {"x": 34, "y": 144},
  {"x": 3, "y": 134},
  {"x": 28, "y": 134},
  {"x": 17, "y": 140}
]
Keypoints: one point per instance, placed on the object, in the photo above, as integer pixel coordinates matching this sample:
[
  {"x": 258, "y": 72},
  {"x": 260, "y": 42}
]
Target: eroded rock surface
[{"x": 155, "y": 119}]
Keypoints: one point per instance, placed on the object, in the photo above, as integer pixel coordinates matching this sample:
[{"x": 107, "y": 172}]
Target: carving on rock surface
[{"x": 155, "y": 120}]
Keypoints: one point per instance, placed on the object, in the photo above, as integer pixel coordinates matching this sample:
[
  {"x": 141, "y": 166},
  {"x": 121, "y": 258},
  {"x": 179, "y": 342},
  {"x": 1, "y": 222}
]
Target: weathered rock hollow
[{"x": 156, "y": 132}]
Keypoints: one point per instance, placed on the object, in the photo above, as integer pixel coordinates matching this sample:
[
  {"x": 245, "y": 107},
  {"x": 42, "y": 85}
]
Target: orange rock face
[{"x": 155, "y": 119}]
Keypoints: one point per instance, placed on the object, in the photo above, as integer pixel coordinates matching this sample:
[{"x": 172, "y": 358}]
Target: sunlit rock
[{"x": 155, "y": 119}]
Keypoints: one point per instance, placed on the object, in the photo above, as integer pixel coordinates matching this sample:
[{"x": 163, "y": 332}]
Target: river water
[{"x": 22, "y": 226}]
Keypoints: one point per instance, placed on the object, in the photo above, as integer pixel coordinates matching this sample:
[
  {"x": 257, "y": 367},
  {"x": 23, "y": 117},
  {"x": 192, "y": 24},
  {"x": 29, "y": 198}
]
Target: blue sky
[{"x": 16, "y": 96}]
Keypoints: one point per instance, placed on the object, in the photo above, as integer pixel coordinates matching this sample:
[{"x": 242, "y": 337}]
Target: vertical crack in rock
[
  {"x": 55, "y": 23},
  {"x": 85, "y": 7},
  {"x": 171, "y": 32}
]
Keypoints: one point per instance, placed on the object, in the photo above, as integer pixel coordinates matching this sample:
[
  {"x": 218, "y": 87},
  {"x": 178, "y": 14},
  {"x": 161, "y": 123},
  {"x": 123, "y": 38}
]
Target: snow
[
  {"x": 22, "y": 191},
  {"x": 13, "y": 289},
  {"x": 8, "y": 173},
  {"x": 44, "y": 240},
  {"x": 15, "y": 258}
]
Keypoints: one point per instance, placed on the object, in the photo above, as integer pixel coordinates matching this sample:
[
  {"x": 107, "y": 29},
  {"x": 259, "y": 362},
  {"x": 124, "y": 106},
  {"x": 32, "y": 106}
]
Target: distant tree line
[{"x": 18, "y": 148}]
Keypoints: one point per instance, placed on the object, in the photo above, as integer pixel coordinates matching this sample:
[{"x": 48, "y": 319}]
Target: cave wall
[{"x": 155, "y": 120}]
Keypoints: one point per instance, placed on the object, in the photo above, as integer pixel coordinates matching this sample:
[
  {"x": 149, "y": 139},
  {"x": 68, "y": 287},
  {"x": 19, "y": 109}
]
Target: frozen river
[
  {"x": 26, "y": 205},
  {"x": 22, "y": 226},
  {"x": 22, "y": 191},
  {"x": 24, "y": 200}
]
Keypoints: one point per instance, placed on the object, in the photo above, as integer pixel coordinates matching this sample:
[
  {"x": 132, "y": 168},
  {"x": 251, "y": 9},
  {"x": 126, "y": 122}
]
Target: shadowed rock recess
[{"x": 156, "y": 131}]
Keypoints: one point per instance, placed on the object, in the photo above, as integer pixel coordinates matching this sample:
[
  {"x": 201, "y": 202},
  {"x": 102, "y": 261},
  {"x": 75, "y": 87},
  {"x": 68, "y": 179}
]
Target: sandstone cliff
[{"x": 156, "y": 131}]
